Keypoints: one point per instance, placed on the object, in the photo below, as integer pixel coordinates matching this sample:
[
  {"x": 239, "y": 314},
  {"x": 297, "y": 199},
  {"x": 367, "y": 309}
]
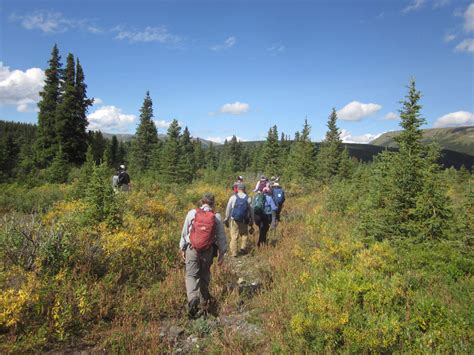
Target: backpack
[
  {"x": 203, "y": 230},
  {"x": 278, "y": 196},
  {"x": 261, "y": 185},
  {"x": 259, "y": 204},
  {"x": 240, "y": 212},
  {"x": 123, "y": 178}
]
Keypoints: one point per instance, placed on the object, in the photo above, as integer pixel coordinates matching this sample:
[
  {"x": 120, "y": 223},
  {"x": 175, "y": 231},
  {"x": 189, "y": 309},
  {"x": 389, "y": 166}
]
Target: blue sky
[{"x": 239, "y": 67}]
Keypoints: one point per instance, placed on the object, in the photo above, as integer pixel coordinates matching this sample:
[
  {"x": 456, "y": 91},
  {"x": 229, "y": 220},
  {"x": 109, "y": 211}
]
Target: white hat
[{"x": 122, "y": 166}]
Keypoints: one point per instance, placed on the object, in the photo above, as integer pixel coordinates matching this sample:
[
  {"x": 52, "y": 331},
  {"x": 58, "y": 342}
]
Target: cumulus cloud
[
  {"x": 110, "y": 119},
  {"x": 391, "y": 116},
  {"x": 466, "y": 45},
  {"x": 228, "y": 43},
  {"x": 469, "y": 18},
  {"x": 236, "y": 108},
  {"x": 449, "y": 37},
  {"x": 158, "y": 34},
  {"x": 347, "y": 137},
  {"x": 20, "y": 88},
  {"x": 221, "y": 140},
  {"x": 355, "y": 111},
  {"x": 165, "y": 124},
  {"x": 455, "y": 119},
  {"x": 53, "y": 22}
]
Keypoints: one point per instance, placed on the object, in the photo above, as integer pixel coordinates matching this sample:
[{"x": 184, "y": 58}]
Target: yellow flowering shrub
[{"x": 14, "y": 302}]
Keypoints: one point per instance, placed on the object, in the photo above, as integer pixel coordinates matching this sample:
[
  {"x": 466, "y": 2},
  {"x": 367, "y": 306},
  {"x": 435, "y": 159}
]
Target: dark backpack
[
  {"x": 203, "y": 230},
  {"x": 278, "y": 196},
  {"x": 240, "y": 212},
  {"x": 123, "y": 178},
  {"x": 259, "y": 204}
]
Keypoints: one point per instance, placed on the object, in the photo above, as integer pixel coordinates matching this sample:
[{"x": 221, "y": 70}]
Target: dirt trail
[{"x": 234, "y": 285}]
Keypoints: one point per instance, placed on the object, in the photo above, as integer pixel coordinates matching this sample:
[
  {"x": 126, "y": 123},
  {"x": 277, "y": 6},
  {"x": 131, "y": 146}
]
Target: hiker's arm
[
  {"x": 185, "y": 230},
  {"x": 221, "y": 240},
  {"x": 229, "y": 208},
  {"x": 250, "y": 210}
]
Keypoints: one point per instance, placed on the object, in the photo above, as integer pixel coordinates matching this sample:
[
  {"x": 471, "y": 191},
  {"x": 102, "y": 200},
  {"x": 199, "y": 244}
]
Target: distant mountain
[
  {"x": 124, "y": 137},
  {"x": 457, "y": 139}
]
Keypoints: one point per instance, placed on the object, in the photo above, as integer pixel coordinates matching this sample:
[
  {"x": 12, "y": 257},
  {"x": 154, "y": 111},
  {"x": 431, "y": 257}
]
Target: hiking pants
[
  {"x": 264, "y": 226},
  {"x": 198, "y": 273},
  {"x": 238, "y": 229}
]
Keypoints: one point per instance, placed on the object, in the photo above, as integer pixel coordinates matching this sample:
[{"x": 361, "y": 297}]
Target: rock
[{"x": 241, "y": 281}]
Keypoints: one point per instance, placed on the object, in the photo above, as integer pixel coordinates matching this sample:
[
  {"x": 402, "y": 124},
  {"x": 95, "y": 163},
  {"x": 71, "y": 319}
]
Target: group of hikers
[{"x": 203, "y": 233}]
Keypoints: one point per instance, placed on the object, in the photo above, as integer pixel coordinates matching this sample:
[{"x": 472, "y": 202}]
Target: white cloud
[
  {"x": 455, "y": 119},
  {"x": 221, "y": 140},
  {"x": 469, "y": 18},
  {"x": 466, "y": 45},
  {"x": 165, "y": 124},
  {"x": 148, "y": 34},
  {"x": 228, "y": 43},
  {"x": 355, "y": 110},
  {"x": 52, "y": 22},
  {"x": 347, "y": 137},
  {"x": 98, "y": 101},
  {"x": 110, "y": 119},
  {"x": 236, "y": 108},
  {"x": 414, "y": 5},
  {"x": 20, "y": 88},
  {"x": 391, "y": 116},
  {"x": 277, "y": 48}
]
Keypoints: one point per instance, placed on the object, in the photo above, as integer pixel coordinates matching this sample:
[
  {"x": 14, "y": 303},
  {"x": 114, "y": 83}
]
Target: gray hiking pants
[{"x": 198, "y": 273}]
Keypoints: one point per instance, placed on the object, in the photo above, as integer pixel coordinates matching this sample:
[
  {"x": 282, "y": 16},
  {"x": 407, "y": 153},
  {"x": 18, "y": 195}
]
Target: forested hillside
[
  {"x": 370, "y": 256},
  {"x": 458, "y": 139}
]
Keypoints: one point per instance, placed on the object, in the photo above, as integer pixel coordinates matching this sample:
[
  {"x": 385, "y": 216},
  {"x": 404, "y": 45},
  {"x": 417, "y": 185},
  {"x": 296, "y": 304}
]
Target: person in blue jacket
[{"x": 267, "y": 217}]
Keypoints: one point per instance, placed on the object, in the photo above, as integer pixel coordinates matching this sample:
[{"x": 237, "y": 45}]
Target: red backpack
[{"x": 203, "y": 230}]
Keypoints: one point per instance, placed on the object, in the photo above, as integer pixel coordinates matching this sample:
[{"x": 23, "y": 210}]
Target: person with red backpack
[
  {"x": 202, "y": 233},
  {"x": 235, "y": 187},
  {"x": 239, "y": 213}
]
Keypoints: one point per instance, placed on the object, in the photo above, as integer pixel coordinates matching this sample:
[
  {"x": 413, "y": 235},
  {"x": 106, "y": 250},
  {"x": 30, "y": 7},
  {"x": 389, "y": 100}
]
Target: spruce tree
[
  {"x": 211, "y": 157},
  {"x": 234, "y": 154},
  {"x": 146, "y": 136},
  {"x": 66, "y": 112},
  {"x": 171, "y": 154},
  {"x": 329, "y": 155},
  {"x": 114, "y": 152},
  {"x": 80, "y": 120},
  {"x": 58, "y": 171},
  {"x": 300, "y": 163},
  {"x": 46, "y": 142},
  {"x": 271, "y": 153}
]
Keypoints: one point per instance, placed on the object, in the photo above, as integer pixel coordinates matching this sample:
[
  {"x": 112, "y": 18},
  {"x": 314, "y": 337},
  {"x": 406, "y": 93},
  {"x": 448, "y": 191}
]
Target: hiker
[
  {"x": 278, "y": 195},
  {"x": 202, "y": 238},
  {"x": 240, "y": 179},
  {"x": 123, "y": 183},
  {"x": 265, "y": 214},
  {"x": 262, "y": 183},
  {"x": 115, "y": 181},
  {"x": 239, "y": 212},
  {"x": 273, "y": 180}
]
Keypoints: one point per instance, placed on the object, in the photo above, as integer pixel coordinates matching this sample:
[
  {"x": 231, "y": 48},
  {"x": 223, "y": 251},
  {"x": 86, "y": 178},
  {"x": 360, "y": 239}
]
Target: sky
[{"x": 239, "y": 67}]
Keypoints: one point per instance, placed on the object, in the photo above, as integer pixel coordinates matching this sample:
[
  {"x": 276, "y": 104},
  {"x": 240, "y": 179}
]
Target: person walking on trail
[
  {"x": 202, "y": 237},
  {"x": 261, "y": 184},
  {"x": 235, "y": 187},
  {"x": 265, "y": 214},
  {"x": 239, "y": 213},
  {"x": 278, "y": 195},
  {"x": 123, "y": 181}
]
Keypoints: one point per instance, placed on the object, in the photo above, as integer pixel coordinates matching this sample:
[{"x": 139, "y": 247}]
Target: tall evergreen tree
[
  {"x": 46, "y": 142},
  {"x": 271, "y": 153},
  {"x": 300, "y": 164},
  {"x": 330, "y": 152},
  {"x": 80, "y": 120},
  {"x": 211, "y": 157},
  {"x": 235, "y": 154},
  {"x": 114, "y": 152},
  {"x": 66, "y": 112},
  {"x": 171, "y": 154},
  {"x": 146, "y": 136},
  {"x": 186, "y": 160}
]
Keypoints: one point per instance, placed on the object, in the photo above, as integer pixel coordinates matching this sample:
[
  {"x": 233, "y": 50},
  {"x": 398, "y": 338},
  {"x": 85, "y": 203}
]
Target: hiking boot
[{"x": 193, "y": 308}]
